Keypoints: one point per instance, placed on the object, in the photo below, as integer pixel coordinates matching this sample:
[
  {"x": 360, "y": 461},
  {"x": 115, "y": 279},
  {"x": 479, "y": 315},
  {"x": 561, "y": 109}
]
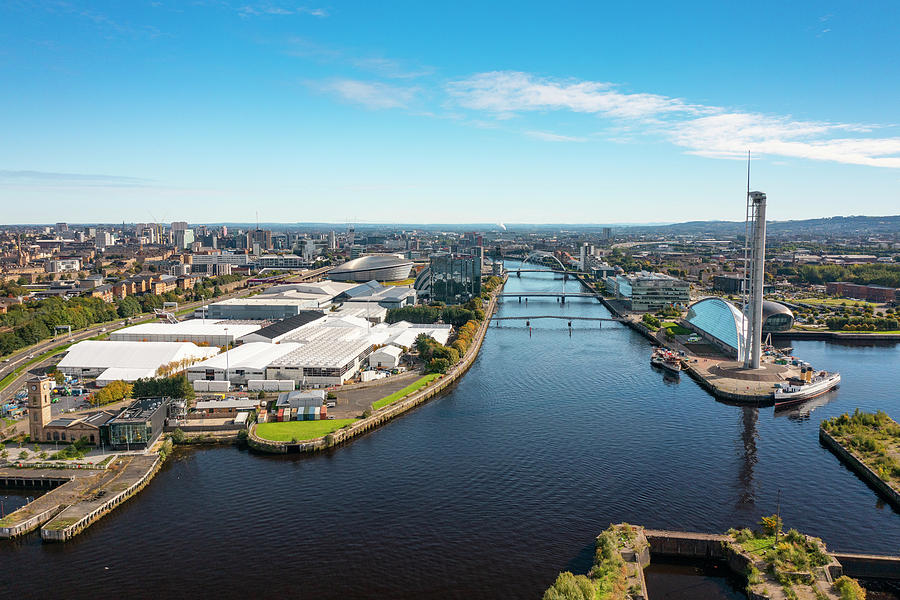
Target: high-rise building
[
  {"x": 184, "y": 238},
  {"x": 262, "y": 237},
  {"x": 455, "y": 278}
]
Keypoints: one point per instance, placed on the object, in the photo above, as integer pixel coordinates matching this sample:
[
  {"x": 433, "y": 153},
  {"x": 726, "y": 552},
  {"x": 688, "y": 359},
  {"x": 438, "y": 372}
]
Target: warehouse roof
[
  {"x": 289, "y": 324},
  {"x": 191, "y": 327},
  {"x": 97, "y": 354},
  {"x": 324, "y": 353},
  {"x": 252, "y": 355}
]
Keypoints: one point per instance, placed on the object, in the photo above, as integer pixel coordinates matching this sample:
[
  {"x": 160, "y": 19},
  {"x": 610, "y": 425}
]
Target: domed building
[
  {"x": 776, "y": 317},
  {"x": 722, "y": 324},
  {"x": 374, "y": 267}
]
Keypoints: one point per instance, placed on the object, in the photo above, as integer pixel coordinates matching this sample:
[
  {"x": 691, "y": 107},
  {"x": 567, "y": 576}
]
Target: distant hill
[{"x": 830, "y": 226}]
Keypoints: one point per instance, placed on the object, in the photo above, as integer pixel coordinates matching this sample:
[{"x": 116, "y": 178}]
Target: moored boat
[{"x": 810, "y": 384}]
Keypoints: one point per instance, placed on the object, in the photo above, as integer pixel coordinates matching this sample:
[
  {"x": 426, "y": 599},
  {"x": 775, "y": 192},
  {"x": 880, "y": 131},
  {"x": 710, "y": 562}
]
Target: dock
[{"x": 77, "y": 497}]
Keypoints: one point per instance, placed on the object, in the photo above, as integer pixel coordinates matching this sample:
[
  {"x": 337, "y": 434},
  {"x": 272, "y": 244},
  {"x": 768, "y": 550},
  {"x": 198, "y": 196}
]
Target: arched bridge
[{"x": 539, "y": 256}]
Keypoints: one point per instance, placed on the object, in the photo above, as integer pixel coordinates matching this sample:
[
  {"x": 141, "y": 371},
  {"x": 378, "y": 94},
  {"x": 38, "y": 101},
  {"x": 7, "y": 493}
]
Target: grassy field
[
  {"x": 835, "y": 302},
  {"x": 416, "y": 385},
  {"x": 676, "y": 328},
  {"x": 299, "y": 430}
]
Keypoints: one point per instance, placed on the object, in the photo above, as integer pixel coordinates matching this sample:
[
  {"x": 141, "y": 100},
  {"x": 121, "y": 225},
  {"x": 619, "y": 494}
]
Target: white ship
[{"x": 811, "y": 384}]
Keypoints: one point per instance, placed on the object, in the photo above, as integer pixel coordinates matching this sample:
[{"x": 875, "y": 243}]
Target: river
[{"x": 488, "y": 491}]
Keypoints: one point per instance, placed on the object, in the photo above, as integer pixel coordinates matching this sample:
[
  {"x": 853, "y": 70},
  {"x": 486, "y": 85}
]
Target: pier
[{"x": 77, "y": 498}]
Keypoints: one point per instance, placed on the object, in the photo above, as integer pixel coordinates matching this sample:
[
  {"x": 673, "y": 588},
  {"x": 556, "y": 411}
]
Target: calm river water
[{"x": 488, "y": 491}]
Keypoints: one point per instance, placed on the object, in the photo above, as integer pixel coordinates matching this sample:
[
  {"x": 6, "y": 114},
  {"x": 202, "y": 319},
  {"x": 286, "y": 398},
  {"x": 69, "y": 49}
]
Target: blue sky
[{"x": 446, "y": 112}]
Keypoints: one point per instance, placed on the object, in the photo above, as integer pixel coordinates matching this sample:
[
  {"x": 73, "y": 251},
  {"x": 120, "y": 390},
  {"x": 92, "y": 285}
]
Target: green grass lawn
[
  {"x": 676, "y": 328},
  {"x": 835, "y": 302},
  {"x": 416, "y": 385},
  {"x": 299, "y": 430}
]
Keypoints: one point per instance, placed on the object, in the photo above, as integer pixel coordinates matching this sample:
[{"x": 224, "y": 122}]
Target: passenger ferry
[{"x": 811, "y": 384}]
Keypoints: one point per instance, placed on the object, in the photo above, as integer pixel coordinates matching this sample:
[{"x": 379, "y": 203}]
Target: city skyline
[{"x": 506, "y": 113}]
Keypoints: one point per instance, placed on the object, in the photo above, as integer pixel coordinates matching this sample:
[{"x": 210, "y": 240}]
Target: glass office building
[{"x": 455, "y": 278}]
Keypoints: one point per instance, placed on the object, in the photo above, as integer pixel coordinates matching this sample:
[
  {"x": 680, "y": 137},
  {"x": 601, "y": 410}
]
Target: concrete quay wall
[
  {"x": 848, "y": 457},
  {"x": 869, "y": 566},
  {"x": 79, "y": 516}
]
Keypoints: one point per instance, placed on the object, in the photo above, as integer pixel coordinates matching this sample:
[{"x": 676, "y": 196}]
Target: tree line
[{"x": 33, "y": 322}]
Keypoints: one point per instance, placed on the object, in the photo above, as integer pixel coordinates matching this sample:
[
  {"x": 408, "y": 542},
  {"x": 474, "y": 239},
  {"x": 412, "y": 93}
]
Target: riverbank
[
  {"x": 873, "y": 336},
  {"x": 869, "y": 444},
  {"x": 386, "y": 413}
]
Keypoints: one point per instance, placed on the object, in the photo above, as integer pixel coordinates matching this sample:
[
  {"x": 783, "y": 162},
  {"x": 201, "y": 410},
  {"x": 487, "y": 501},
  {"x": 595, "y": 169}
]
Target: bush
[
  {"x": 650, "y": 321},
  {"x": 178, "y": 436},
  {"x": 112, "y": 392},
  {"x": 438, "y": 365}
]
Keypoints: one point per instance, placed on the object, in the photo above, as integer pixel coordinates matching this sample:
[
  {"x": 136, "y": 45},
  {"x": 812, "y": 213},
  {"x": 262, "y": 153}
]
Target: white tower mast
[{"x": 756, "y": 229}]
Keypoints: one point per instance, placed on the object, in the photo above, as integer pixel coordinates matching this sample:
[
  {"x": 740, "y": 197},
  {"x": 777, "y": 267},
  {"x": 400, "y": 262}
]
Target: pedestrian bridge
[{"x": 561, "y": 317}]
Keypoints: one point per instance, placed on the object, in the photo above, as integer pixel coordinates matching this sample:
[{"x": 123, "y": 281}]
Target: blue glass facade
[{"x": 719, "y": 321}]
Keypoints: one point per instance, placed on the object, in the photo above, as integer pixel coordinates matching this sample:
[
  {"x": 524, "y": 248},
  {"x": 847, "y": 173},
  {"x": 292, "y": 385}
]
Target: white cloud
[
  {"x": 368, "y": 93},
  {"x": 704, "y": 130},
  {"x": 507, "y": 92},
  {"x": 553, "y": 137}
]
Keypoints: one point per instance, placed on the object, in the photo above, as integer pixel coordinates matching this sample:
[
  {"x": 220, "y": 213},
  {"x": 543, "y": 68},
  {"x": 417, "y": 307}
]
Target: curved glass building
[
  {"x": 776, "y": 317},
  {"x": 720, "y": 322},
  {"x": 723, "y": 324}
]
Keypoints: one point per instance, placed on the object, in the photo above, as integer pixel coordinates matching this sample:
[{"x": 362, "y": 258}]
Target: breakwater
[{"x": 385, "y": 414}]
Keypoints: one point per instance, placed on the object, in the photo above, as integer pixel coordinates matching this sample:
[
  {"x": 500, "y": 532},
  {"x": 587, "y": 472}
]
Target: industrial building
[
  {"x": 127, "y": 361},
  {"x": 198, "y": 331},
  {"x": 386, "y": 357},
  {"x": 871, "y": 293},
  {"x": 388, "y": 296},
  {"x": 278, "y": 331},
  {"x": 646, "y": 291},
  {"x": 377, "y": 267},
  {"x": 278, "y": 302},
  {"x": 240, "y": 364}
]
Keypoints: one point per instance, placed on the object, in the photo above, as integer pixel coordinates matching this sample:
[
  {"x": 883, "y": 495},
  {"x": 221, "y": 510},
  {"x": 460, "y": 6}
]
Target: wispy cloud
[
  {"x": 50, "y": 178},
  {"x": 381, "y": 66},
  {"x": 508, "y": 92},
  {"x": 711, "y": 131},
  {"x": 278, "y": 9},
  {"x": 553, "y": 137},
  {"x": 371, "y": 94}
]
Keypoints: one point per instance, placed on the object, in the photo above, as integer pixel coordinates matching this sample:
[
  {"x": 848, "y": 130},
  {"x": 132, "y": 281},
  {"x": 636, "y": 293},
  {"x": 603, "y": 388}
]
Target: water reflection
[{"x": 749, "y": 417}]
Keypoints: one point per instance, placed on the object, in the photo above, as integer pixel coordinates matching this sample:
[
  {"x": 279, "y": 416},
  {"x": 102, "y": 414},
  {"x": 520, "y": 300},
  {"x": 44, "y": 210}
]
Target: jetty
[{"x": 76, "y": 497}]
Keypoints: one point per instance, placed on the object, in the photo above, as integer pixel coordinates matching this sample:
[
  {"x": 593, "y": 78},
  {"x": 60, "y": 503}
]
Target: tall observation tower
[{"x": 754, "y": 272}]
